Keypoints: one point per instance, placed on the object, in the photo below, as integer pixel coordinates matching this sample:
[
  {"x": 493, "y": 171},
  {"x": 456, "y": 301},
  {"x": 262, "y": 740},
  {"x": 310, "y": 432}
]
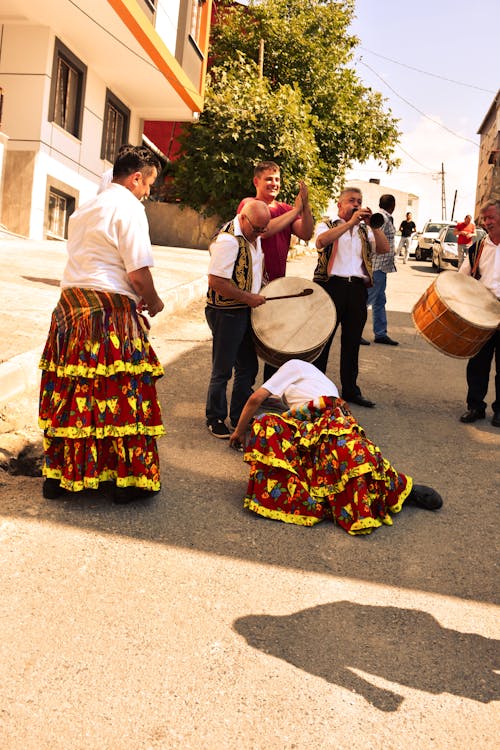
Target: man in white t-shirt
[{"x": 234, "y": 282}]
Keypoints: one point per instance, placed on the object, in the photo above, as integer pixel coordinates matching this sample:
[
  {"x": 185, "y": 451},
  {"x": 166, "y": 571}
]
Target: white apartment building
[{"x": 77, "y": 79}]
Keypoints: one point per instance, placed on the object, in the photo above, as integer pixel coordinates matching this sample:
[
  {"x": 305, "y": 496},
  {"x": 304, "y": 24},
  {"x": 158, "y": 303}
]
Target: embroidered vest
[
  {"x": 321, "y": 270},
  {"x": 242, "y": 273}
]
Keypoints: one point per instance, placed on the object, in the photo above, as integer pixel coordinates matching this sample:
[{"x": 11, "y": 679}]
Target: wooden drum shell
[{"x": 457, "y": 314}]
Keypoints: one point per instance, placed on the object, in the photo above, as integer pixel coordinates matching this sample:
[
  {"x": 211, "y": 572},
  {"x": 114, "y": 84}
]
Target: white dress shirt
[
  {"x": 489, "y": 266},
  {"x": 223, "y": 254},
  {"x": 349, "y": 258}
]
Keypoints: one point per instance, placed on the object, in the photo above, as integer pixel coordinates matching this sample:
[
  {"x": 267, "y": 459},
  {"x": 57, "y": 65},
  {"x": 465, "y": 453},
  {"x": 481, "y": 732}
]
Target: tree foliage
[{"x": 310, "y": 112}]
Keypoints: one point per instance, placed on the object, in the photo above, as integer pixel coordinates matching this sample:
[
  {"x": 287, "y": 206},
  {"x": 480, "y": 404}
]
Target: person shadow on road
[{"x": 405, "y": 646}]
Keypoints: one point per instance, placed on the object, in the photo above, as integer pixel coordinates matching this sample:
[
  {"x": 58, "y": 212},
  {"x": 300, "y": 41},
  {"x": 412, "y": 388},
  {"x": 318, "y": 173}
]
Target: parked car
[
  {"x": 445, "y": 248},
  {"x": 426, "y": 238}
]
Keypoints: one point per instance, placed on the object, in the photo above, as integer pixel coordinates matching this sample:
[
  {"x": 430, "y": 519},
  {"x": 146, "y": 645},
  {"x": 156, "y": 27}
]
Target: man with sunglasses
[{"x": 235, "y": 274}]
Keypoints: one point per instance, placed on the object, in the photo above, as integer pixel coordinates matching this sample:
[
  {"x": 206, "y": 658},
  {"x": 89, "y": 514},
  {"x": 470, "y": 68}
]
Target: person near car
[
  {"x": 235, "y": 272},
  {"x": 483, "y": 263},
  {"x": 407, "y": 228},
  {"x": 465, "y": 232},
  {"x": 346, "y": 245},
  {"x": 382, "y": 264}
]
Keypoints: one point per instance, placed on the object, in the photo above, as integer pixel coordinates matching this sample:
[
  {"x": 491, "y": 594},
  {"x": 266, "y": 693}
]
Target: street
[{"x": 187, "y": 622}]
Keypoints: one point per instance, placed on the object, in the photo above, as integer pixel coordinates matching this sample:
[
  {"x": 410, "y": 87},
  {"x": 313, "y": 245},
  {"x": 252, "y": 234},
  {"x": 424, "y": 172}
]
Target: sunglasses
[{"x": 257, "y": 230}]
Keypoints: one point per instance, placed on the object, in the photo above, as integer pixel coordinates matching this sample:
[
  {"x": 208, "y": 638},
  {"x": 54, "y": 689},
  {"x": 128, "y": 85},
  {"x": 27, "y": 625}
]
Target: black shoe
[
  {"x": 386, "y": 340},
  {"x": 496, "y": 419},
  {"x": 425, "y": 497},
  {"x": 360, "y": 401},
  {"x": 124, "y": 495},
  {"x": 52, "y": 489},
  {"x": 364, "y": 342},
  {"x": 472, "y": 415},
  {"x": 219, "y": 429}
]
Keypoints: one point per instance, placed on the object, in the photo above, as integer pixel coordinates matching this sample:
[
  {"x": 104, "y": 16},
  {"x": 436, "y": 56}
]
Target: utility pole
[
  {"x": 454, "y": 203},
  {"x": 443, "y": 195}
]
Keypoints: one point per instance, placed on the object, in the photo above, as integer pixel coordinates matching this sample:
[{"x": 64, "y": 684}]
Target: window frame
[
  {"x": 113, "y": 101},
  {"x": 69, "y": 208},
  {"x": 61, "y": 52}
]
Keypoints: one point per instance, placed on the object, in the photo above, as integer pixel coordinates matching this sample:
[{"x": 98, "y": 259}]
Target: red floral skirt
[
  {"x": 98, "y": 404},
  {"x": 316, "y": 462}
]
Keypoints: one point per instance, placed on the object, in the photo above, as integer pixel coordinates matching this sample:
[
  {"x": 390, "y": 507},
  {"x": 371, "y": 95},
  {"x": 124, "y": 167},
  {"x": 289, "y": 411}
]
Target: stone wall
[{"x": 173, "y": 226}]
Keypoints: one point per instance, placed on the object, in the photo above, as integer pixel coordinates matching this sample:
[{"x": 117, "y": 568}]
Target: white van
[{"x": 429, "y": 233}]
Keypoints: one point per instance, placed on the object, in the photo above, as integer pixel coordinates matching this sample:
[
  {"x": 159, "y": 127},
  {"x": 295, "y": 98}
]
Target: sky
[{"x": 439, "y": 119}]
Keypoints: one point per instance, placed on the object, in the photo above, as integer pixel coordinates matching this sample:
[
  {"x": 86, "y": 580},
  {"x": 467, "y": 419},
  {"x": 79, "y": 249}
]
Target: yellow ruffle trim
[
  {"x": 82, "y": 371},
  {"x": 141, "y": 483},
  {"x": 74, "y": 433},
  {"x": 278, "y": 515}
]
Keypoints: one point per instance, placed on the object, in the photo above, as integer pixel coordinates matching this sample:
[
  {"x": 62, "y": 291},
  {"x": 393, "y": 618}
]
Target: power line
[
  {"x": 415, "y": 160},
  {"x": 427, "y": 72},
  {"x": 436, "y": 122}
]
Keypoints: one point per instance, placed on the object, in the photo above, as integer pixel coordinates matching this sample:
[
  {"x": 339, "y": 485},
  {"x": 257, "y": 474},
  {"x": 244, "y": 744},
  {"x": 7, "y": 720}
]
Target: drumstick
[{"x": 303, "y": 293}]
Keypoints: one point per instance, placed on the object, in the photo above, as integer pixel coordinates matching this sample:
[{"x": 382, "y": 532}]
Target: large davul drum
[
  {"x": 457, "y": 314},
  {"x": 297, "y": 327}
]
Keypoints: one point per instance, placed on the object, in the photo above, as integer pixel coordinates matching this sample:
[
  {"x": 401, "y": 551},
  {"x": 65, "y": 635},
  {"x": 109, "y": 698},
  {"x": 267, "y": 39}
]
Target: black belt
[{"x": 349, "y": 279}]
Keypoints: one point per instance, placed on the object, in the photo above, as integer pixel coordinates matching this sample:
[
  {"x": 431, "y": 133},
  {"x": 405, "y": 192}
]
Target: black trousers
[
  {"x": 478, "y": 374},
  {"x": 232, "y": 350},
  {"x": 350, "y": 299}
]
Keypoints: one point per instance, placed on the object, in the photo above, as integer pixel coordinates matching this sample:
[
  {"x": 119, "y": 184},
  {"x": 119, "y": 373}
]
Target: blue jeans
[
  {"x": 377, "y": 299},
  {"x": 232, "y": 348}
]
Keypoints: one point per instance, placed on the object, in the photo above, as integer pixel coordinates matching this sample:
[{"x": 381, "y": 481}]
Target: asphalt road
[{"x": 189, "y": 623}]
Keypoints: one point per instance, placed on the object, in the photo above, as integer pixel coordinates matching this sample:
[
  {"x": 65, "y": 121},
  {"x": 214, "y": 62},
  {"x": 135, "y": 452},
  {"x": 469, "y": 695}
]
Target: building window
[
  {"x": 60, "y": 208},
  {"x": 115, "y": 127},
  {"x": 196, "y": 13},
  {"x": 67, "y": 90},
  {"x": 149, "y": 6}
]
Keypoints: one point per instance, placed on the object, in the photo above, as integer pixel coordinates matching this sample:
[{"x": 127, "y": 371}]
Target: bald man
[{"x": 234, "y": 281}]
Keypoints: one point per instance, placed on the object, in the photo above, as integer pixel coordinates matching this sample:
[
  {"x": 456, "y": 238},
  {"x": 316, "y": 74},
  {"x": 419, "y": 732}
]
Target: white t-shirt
[
  {"x": 107, "y": 238},
  {"x": 298, "y": 382},
  {"x": 349, "y": 258},
  {"x": 223, "y": 254}
]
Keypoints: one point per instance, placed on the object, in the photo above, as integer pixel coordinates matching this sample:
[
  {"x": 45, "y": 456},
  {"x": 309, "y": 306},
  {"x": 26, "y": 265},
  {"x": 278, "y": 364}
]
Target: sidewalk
[{"x": 29, "y": 288}]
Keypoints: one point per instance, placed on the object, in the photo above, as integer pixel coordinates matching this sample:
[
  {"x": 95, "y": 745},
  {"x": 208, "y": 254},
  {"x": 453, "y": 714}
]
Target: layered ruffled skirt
[
  {"x": 315, "y": 462},
  {"x": 98, "y": 404}
]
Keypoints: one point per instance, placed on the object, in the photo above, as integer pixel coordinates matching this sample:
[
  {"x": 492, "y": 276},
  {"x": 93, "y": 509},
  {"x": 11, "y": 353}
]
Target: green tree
[
  {"x": 244, "y": 121},
  {"x": 307, "y": 70}
]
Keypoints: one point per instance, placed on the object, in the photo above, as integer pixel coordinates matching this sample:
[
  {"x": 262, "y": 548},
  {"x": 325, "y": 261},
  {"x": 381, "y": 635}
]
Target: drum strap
[{"x": 477, "y": 256}]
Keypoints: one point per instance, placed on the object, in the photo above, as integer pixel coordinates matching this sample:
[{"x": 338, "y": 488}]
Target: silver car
[{"x": 445, "y": 248}]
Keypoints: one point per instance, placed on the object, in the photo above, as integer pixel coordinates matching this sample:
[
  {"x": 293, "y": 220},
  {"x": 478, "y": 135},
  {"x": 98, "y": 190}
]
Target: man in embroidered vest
[
  {"x": 234, "y": 281},
  {"x": 483, "y": 263},
  {"x": 346, "y": 246}
]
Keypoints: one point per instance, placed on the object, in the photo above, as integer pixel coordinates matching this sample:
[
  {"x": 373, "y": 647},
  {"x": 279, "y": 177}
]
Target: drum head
[
  {"x": 296, "y": 327},
  {"x": 469, "y": 299}
]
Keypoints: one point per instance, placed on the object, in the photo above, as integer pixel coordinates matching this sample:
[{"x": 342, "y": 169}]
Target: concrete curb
[{"x": 20, "y": 376}]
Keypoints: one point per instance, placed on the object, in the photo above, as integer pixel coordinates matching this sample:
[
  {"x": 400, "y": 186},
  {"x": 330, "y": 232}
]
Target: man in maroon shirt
[{"x": 285, "y": 219}]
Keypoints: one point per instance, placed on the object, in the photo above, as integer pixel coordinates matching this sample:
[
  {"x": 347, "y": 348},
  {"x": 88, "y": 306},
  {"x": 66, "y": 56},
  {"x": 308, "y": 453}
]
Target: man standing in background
[
  {"x": 382, "y": 264},
  {"x": 465, "y": 231},
  {"x": 407, "y": 228}
]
